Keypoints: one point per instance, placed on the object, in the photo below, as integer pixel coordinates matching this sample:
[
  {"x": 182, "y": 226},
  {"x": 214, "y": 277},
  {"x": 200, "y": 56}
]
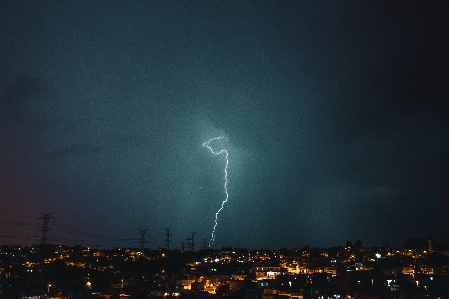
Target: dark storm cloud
[
  {"x": 91, "y": 149},
  {"x": 74, "y": 150},
  {"x": 15, "y": 94},
  {"x": 19, "y": 96},
  {"x": 335, "y": 118}
]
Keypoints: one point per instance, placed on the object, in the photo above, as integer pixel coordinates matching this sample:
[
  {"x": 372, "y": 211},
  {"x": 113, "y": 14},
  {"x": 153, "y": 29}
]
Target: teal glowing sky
[{"x": 335, "y": 117}]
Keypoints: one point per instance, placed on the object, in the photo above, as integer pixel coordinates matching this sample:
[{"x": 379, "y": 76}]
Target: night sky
[{"x": 335, "y": 116}]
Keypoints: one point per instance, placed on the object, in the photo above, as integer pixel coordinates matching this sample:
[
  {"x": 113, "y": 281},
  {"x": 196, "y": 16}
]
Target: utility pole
[
  {"x": 167, "y": 238},
  {"x": 182, "y": 246},
  {"x": 142, "y": 242},
  {"x": 45, "y": 229},
  {"x": 191, "y": 242}
]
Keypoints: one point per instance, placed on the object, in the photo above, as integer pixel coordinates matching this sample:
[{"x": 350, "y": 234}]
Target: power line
[
  {"x": 14, "y": 222},
  {"x": 78, "y": 232},
  {"x": 65, "y": 232}
]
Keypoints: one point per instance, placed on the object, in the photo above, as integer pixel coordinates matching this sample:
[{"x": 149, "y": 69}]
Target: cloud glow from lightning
[{"x": 206, "y": 144}]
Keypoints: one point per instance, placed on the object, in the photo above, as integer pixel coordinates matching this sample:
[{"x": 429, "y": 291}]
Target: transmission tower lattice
[
  {"x": 191, "y": 242},
  {"x": 205, "y": 244},
  {"x": 142, "y": 233},
  {"x": 45, "y": 229},
  {"x": 167, "y": 238}
]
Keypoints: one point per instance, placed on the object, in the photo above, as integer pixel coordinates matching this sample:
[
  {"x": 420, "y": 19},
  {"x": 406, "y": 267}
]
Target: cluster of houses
[{"x": 419, "y": 270}]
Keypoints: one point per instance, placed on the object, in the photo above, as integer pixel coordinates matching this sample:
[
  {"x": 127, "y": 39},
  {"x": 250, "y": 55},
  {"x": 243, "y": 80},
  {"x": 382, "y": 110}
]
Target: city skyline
[{"x": 334, "y": 116}]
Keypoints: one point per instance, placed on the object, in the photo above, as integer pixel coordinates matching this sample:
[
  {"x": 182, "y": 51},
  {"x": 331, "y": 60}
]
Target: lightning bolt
[{"x": 206, "y": 144}]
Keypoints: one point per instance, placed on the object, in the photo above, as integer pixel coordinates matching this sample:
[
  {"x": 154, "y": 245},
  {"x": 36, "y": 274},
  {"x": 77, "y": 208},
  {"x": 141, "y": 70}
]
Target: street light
[
  {"x": 88, "y": 283},
  {"x": 48, "y": 288}
]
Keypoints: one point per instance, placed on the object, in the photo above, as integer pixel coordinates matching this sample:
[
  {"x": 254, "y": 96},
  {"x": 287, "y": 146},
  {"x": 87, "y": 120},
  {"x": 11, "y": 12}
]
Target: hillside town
[{"x": 418, "y": 270}]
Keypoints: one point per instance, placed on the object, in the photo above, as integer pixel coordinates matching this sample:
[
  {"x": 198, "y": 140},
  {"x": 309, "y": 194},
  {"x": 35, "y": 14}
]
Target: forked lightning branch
[{"x": 207, "y": 144}]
